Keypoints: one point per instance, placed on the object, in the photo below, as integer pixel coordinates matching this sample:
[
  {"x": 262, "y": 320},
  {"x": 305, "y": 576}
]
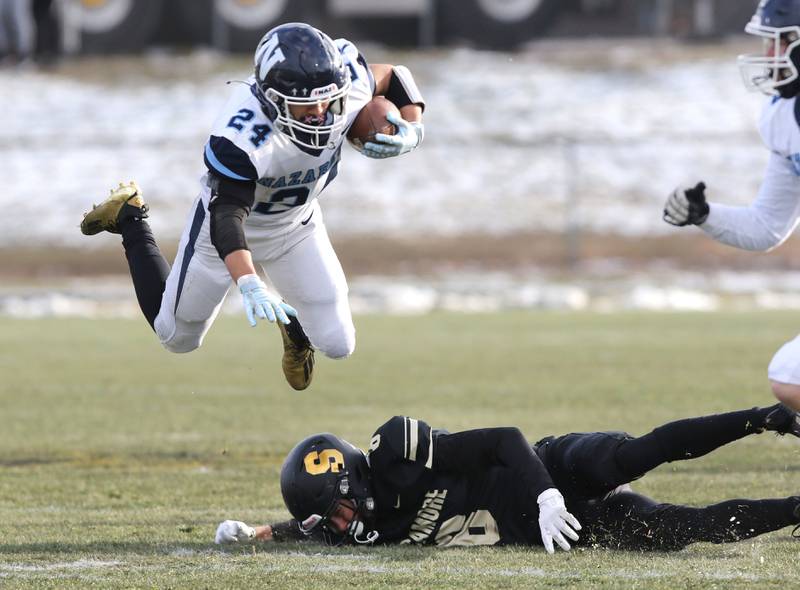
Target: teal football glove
[
  {"x": 409, "y": 136},
  {"x": 259, "y": 302}
]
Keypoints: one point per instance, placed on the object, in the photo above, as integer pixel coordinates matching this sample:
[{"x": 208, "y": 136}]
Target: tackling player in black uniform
[{"x": 490, "y": 486}]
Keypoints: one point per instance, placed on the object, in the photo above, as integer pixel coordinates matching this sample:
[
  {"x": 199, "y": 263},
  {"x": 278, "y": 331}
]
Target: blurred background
[{"x": 554, "y": 131}]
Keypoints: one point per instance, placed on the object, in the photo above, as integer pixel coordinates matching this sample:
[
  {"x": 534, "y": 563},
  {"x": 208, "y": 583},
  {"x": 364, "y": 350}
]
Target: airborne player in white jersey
[
  {"x": 274, "y": 148},
  {"x": 772, "y": 217}
]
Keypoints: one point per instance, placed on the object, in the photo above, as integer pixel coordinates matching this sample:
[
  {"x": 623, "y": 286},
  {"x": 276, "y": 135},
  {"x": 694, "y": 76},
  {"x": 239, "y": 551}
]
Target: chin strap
[
  {"x": 356, "y": 529},
  {"x": 309, "y": 523}
]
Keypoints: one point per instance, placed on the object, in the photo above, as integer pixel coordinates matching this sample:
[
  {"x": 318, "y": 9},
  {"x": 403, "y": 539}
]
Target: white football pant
[
  {"x": 299, "y": 260},
  {"x": 785, "y": 365}
]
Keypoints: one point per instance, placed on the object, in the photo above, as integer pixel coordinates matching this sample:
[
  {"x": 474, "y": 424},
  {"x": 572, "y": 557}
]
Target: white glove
[
  {"x": 258, "y": 301},
  {"x": 687, "y": 206},
  {"x": 234, "y": 531},
  {"x": 409, "y": 135},
  {"x": 555, "y": 521}
]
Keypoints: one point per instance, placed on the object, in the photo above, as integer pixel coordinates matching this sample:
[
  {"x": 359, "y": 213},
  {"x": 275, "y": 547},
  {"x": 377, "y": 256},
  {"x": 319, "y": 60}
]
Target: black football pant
[
  {"x": 589, "y": 467},
  {"x": 631, "y": 521}
]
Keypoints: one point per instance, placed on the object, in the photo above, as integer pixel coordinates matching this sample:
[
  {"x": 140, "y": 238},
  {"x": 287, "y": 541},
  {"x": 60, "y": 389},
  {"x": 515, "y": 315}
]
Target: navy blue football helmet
[
  {"x": 320, "y": 471},
  {"x": 298, "y": 65},
  {"x": 777, "y": 70}
]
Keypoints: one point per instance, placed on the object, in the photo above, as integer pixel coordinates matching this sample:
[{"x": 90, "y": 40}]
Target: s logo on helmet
[{"x": 324, "y": 461}]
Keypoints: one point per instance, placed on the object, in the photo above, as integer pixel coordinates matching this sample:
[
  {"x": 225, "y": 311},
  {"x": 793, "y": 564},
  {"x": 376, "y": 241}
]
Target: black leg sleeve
[
  {"x": 149, "y": 269},
  {"x": 634, "y": 522},
  {"x": 687, "y": 439}
]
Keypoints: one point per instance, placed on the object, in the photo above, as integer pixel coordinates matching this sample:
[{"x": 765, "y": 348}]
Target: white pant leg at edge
[
  {"x": 198, "y": 281},
  {"x": 785, "y": 365},
  {"x": 309, "y": 276}
]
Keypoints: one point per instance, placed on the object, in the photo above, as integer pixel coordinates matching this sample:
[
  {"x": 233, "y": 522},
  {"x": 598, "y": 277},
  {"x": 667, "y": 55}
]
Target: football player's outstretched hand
[
  {"x": 259, "y": 302},
  {"x": 687, "y": 206},
  {"x": 234, "y": 531},
  {"x": 555, "y": 521},
  {"x": 409, "y": 136}
]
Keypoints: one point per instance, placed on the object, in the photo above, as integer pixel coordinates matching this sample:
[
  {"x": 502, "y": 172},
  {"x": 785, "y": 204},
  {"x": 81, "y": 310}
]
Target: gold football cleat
[
  {"x": 298, "y": 355},
  {"x": 124, "y": 202}
]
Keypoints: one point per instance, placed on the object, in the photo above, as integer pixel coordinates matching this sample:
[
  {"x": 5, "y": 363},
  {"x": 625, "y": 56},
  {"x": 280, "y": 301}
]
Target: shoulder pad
[
  {"x": 226, "y": 159},
  {"x": 359, "y": 69},
  {"x": 346, "y": 48},
  {"x": 405, "y": 438}
]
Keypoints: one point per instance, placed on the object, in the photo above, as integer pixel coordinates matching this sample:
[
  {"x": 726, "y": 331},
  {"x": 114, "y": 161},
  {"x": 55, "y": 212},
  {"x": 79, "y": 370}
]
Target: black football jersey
[{"x": 420, "y": 502}]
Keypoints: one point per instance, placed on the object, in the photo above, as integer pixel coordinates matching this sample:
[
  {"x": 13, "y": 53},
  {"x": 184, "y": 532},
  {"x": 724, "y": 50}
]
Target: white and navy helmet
[
  {"x": 298, "y": 65},
  {"x": 777, "y": 70}
]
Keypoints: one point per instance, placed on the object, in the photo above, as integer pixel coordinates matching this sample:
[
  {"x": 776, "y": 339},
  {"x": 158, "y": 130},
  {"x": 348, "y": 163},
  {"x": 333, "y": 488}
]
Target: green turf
[{"x": 118, "y": 459}]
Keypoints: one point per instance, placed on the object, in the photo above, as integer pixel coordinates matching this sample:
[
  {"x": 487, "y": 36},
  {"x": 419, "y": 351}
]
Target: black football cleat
[{"x": 783, "y": 420}]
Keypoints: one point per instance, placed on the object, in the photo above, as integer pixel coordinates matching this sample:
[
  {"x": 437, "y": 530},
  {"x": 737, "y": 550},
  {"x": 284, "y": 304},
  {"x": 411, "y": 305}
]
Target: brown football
[{"x": 371, "y": 119}]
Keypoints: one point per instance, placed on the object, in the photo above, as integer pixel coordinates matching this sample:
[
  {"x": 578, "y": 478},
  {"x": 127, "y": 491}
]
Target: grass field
[{"x": 118, "y": 459}]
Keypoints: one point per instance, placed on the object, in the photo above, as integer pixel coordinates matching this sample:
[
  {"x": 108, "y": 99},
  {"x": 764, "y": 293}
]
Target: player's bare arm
[
  {"x": 230, "y": 204},
  {"x": 383, "y": 78},
  {"x": 236, "y": 531}
]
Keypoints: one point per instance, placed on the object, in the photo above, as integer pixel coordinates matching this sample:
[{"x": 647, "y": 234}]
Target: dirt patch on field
[
  {"x": 428, "y": 255},
  {"x": 549, "y": 251}
]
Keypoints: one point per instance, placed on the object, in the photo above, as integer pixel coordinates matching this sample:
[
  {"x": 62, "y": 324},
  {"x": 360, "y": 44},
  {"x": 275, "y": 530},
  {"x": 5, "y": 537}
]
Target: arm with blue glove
[
  {"x": 258, "y": 301},
  {"x": 230, "y": 205},
  {"x": 397, "y": 84},
  {"x": 409, "y": 135}
]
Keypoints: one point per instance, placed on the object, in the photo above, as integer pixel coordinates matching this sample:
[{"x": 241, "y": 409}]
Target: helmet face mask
[
  {"x": 776, "y": 71},
  {"x": 306, "y": 134},
  {"x": 319, "y": 474},
  {"x": 299, "y": 66},
  {"x": 361, "y": 508},
  {"x": 774, "y": 68}
]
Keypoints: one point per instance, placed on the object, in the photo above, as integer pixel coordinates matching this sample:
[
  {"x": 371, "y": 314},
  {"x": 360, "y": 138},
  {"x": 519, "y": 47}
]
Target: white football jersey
[
  {"x": 780, "y": 128},
  {"x": 245, "y": 145},
  {"x": 773, "y": 215}
]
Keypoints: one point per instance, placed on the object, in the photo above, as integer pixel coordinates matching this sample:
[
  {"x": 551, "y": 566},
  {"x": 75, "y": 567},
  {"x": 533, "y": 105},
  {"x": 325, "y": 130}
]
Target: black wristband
[{"x": 288, "y": 530}]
